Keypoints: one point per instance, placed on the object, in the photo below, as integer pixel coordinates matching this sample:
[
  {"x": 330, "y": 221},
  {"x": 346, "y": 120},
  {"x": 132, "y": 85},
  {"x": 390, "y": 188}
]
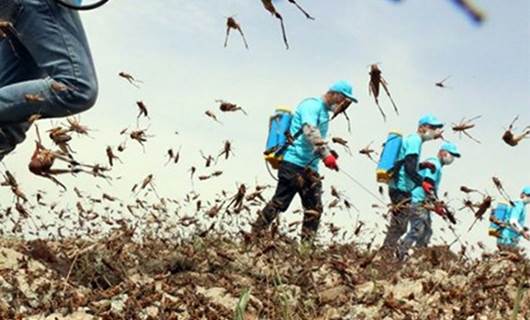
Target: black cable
[{"x": 91, "y": 6}]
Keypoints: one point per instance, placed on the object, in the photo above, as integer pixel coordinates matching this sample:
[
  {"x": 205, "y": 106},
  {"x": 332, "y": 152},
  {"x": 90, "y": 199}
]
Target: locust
[
  {"x": 130, "y": 78},
  {"x": 97, "y": 171},
  {"x": 9, "y": 180},
  {"x": 231, "y": 23},
  {"x": 61, "y": 137},
  {"x": 111, "y": 156},
  {"x": 227, "y": 150},
  {"x": 238, "y": 198},
  {"x": 498, "y": 184},
  {"x": 377, "y": 80},
  {"x": 78, "y": 193},
  {"x": 170, "y": 155},
  {"x": 39, "y": 197},
  {"x": 192, "y": 171},
  {"x": 208, "y": 159},
  {"x": 335, "y": 193},
  {"x": 142, "y": 110},
  {"x": 173, "y": 156},
  {"x": 342, "y": 142},
  {"x": 42, "y": 161},
  {"x": 140, "y": 136},
  {"x": 342, "y": 109},
  {"x": 74, "y": 125},
  {"x": 334, "y": 203},
  {"x": 33, "y": 118},
  {"x": 269, "y": 6},
  {"x": 441, "y": 84},
  {"x": 217, "y": 173},
  {"x": 367, "y": 151},
  {"x": 463, "y": 126},
  {"x": 358, "y": 228},
  {"x": 467, "y": 190},
  {"x": 212, "y": 115},
  {"x": 121, "y": 146},
  {"x": 436, "y": 205},
  {"x": 148, "y": 181},
  {"x": 34, "y": 98},
  {"x": 108, "y": 197},
  {"x": 482, "y": 208},
  {"x": 21, "y": 210},
  {"x": 512, "y": 139},
  {"x": 229, "y": 107}
]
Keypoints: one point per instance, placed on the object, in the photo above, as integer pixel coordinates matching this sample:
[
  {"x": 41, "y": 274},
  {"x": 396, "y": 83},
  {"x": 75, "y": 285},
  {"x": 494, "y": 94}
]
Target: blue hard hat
[
  {"x": 430, "y": 120},
  {"x": 345, "y": 88},
  {"x": 451, "y": 148},
  {"x": 526, "y": 190}
]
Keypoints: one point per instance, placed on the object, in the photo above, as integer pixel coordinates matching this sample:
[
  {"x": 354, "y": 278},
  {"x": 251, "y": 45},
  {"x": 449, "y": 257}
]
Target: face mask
[
  {"x": 526, "y": 199},
  {"x": 429, "y": 134},
  {"x": 333, "y": 108},
  {"x": 448, "y": 159}
]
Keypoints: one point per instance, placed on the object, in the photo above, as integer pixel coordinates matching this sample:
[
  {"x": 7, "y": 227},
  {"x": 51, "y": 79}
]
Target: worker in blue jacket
[
  {"x": 46, "y": 68},
  {"x": 420, "y": 231},
  {"x": 298, "y": 172},
  {"x": 510, "y": 235},
  {"x": 407, "y": 178}
]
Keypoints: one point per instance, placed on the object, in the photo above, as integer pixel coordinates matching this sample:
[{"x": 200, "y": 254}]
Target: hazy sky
[{"x": 176, "y": 48}]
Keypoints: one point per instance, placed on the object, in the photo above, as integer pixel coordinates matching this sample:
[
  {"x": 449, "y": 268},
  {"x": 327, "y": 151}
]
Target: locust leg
[
  {"x": 380, "y": 109},
  {"x": 374, "y": 90},
  {"x": 244, "y": 40},
  {"x": 470, "y": 137},
  {"x": 283, "y": 31},
  {"x": 227, "y": 34},
  {"x": 524, "y": 135},
  {"x": 54, "y": 180},
  {"x": 384, "y": 84},
  {"x": 308, "y": 16}
]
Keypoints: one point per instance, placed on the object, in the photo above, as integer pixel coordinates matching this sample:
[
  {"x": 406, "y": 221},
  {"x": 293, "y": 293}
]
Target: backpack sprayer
[
  {"x": 279, "y": 138},
  {"x": 499, "y": 219},
  {"x": 89, "y": 5},
  {"x": 388, "y": 164}
]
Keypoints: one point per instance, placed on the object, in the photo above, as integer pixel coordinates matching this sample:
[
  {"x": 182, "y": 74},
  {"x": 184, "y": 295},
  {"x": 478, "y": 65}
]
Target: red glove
[
  {"x": 331, "y": 162},
  {"x": 439, "y": 210},
  {"x": 427, "y": 187}
]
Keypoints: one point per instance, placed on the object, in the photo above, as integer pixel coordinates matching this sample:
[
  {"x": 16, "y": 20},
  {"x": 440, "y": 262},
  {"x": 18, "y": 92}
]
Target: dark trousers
[
  {"x": 399, "y": 219},
  {"x": 292, "y": 180}
]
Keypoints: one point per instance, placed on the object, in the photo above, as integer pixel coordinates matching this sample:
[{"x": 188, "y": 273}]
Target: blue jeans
[
  {"x": 46, "y": 68},
  {"x": 420, "y": 229},
  {"x": 400, "y": 218}
]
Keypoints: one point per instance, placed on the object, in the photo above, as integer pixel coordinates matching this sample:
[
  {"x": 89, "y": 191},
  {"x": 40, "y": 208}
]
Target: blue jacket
[
  {"x": 411, "y": 146},
  {"x": 418, "y": 194},
  {"x": 517, "y": 213},
  {"x": 314, "y": 112}
]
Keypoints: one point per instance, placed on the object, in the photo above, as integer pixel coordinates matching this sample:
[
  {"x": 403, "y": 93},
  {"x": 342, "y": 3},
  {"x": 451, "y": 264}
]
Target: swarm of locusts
[
  {"x": 185, "y": 256},
  {"x": 211, "y": 275}
]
